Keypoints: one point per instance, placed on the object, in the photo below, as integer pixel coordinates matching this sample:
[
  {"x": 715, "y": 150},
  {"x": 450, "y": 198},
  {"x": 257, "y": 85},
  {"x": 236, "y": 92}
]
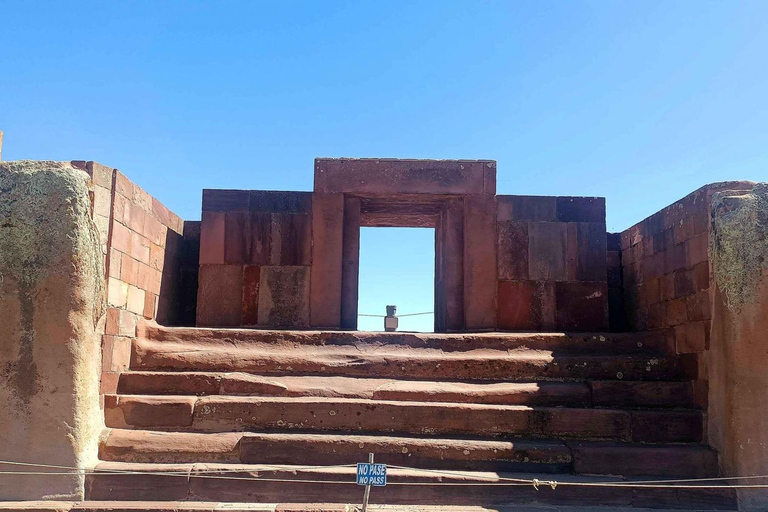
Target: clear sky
[{"x": 640, "y": 102}]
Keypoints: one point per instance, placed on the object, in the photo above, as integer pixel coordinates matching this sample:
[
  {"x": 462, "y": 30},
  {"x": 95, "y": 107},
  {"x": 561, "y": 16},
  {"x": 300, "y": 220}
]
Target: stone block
[
  {"x": 135, "y": 303},
  {"x": 269, "y": 201},
  {"x": 580, "y": 209},
  {"x": 117, "y": 292},
  {"x": 225, "y": 200},
  {"x": 513, "y": 250},
  {"x": 251, "y": 277},
  {"x": 236, "y": 237},
  {"x": 140, "y": 247},
  {"x": 480, "y": 252},
  {"x": 220, "y": 296},
  {"x": 396, "y": 176},
  {"x": 667, "y": 287},
  {"x": 291, "y": 239},
  {"x": 283, "y": 297},
  {"x": 526, "y": 208},
  {"x": 676, "y": 313},
  {"x": 701, "y": 276},
  {"x": 121, "y": 238},
  {"x": 212, "y": 230},
  {"x": 691, "y": 337},
  {"x": 684, "y": 282},
  {"x": 590, "y": 251},
  {"x": 581, "y": 306},
  {"x": 696, "y": 249},
  {"x": 547, "y": 249},
  {"x": 674, "y": 258},
  {"x": 327, "y": 241},
  {"x": 260, "y": 252},
  {"x": 698, "y": 306},
  {"x": 525, "y": 305}
]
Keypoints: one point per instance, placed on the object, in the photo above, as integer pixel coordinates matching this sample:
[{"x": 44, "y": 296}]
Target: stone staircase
[{"x": 279, "y": 405}]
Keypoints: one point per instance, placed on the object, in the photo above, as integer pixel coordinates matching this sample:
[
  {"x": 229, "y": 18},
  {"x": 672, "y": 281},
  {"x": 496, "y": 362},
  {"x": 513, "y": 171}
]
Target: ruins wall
[
  {"x": 551, "y": 263},
  {"x": 666, "y": 279},
  {"x": 738, "y": 357},
  {"x": 255, "y": 256},
  {"x": 52, "y": 302},
  {"x": 141, "y": 241}
]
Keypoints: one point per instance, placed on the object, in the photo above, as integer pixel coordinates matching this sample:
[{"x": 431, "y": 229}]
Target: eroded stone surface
[{"x": 51, "y": 296}]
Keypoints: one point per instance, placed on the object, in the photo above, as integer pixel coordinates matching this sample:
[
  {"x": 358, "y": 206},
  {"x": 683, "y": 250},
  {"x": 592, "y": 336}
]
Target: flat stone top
[{"x": 391, "y": 176}]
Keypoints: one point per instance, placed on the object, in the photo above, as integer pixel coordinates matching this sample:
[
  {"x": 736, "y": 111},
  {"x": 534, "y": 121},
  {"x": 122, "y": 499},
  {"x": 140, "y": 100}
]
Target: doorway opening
[{"x": 397, "y": 267}]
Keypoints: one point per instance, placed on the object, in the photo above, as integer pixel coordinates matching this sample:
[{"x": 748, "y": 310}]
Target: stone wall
[
  {"x": 52, "y": 302},
  {"x": 738, "y": 357},
  {"x": 141, "y": 240},
  {"x": 666, "y": 279},
  {"x": 255, "y": 256},
  {"x": 551, "y": 263}
]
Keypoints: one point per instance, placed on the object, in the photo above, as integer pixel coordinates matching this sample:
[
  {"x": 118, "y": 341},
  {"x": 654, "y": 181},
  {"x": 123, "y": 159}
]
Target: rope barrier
[
  {"x": 491, "y": 481},
  {"x": 398, "y": 316}
]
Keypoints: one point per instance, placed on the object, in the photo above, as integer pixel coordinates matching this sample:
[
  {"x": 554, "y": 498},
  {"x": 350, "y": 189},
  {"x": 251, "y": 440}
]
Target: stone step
[
  {"x": 591, "y": 393},
  {"x": 351, "y": 415},
  {"x": 398, "y": 362},
  {"x": 541, "y": 456},
  {"x": 559, "y": 342},
  {"x": 275, "y": 484}
]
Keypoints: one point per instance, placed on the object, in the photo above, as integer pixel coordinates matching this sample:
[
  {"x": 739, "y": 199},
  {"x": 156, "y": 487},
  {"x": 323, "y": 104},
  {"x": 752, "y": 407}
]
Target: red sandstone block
[
  {"x": 283, "y": 297},
  {"x": 701, "y": 394},
  {"x": 667, "y": 426},
  {"x": 653, "y": 291},
  {"x": 102, "y": 201},
  {"x": 108, "y": 383},
  {"x": 647, "y": 246},
  {"x": 653, "y": 266},
  {"x": 100, "y": 174},
  {"x": 117, "y": 292},
  {"x": 691, "y": 337},
  {"x": 129, "y": 270},
  {"x": 236, "y": 234},
  {"x": 667, "y": 287},
  {"x": 220, "y": 295},
  {"x": 139, "y": 247},
  {"x": 116, "y": 353},
  {"x": 676, "y": 313},
  {"x": 115, "y": 258},
  {"x": 674, "y": 258},
  {"x": 512, "y": 250},
  {"x": 581, "y": 306},
  {"x": 696, "y": 249},
  {"x": 701, "y": 276},
  {"x": 225, "y": 200},
  {"x": 156, "y": 257},
  {"x": 144, "y": 277},
  {"x": 212, "y": 238},
  {"x": 526, "y": 208},
  {"x": 121, "y": 238},
  {"x": 291, "y": 239},
  {"x": 638, "y": 459},
  {"x": 150, "y": 301},
  {"x": 590, "y": 251},
  {"x": 684, "y": 283},
  {"x": 517, "y": 305},
  {"x": 135, "y": 303},
  {"x": 123, "y": 185},
  {"x": 327, "y": 241},
  {"x": 135, "y": 218},
  {"x": 480, "y": 248},
  {"x": 580, "y": 209},
  {"x": 112, "y": 325},
  {"x": 547, "y": 249},
  {"x": 141, "y": 198},
  {"x": 271, "y": 201},
  {"x": 698, "y": 306},
  {"x": 633, "y": 275},
  {"x": 251, "y": 276},
  {"x": 260, "y": 239},
  {"x": 657, "y": 315},
  {"x": 156, "y": 281},
  {"x": 154, "y": 230},
  {"x": 119, "y": 205}
]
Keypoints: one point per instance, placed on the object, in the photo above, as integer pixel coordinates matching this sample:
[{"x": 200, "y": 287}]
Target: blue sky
[{"x": 640, "y": 102}]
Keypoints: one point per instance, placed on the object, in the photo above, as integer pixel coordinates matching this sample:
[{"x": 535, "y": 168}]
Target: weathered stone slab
[
  {"x": 284, "y": 297},
  {"x": 51, "y": 298},
  {"x": 220, "y": 295}
]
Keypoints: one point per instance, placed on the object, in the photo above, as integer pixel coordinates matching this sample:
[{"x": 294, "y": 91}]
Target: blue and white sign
[{"x": 371, "y": 474}]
